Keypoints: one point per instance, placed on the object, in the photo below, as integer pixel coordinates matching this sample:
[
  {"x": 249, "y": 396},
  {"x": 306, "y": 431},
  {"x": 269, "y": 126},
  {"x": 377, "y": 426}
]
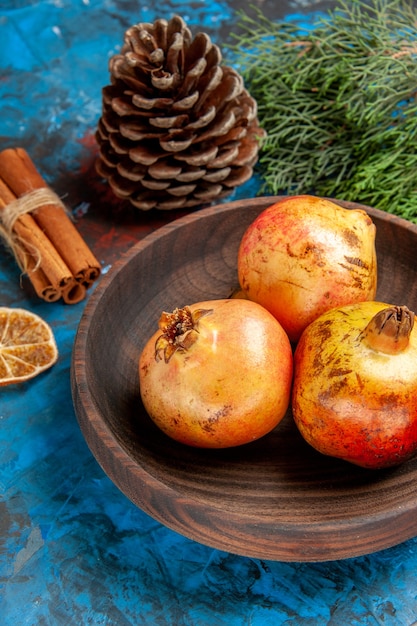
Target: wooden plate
[{"x": 273, "y": 499}]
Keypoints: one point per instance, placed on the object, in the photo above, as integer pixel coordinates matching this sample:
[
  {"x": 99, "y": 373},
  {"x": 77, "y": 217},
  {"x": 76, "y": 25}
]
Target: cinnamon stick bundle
[{"x": 40, "y": 233}]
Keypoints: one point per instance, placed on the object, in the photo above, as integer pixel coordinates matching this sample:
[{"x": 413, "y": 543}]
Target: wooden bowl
[{"x": 275, "y": 498}]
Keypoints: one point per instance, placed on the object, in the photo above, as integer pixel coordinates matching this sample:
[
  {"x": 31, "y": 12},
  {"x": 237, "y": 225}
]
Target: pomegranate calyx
[
  {"x": 389, "y": 330},
  {"x": 179, "y": 331}
]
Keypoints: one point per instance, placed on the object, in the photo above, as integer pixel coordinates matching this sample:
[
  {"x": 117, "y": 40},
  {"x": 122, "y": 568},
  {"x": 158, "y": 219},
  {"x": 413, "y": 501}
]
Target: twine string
[{"x": 25, "y": 204}]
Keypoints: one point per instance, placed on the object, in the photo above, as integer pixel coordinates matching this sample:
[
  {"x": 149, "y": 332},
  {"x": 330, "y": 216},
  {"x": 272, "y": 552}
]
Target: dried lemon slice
[{"x": 27, "y": 345}]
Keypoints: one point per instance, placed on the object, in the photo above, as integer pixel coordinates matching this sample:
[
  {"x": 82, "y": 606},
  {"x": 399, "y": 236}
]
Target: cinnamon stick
[
  {"x": 30, "y": 240},
  {"x": 73, "y": 292},
  {"x": 43, "y": 239},
  {"x": 22, "y": 177},
  {"x": 40, "y": 282}
]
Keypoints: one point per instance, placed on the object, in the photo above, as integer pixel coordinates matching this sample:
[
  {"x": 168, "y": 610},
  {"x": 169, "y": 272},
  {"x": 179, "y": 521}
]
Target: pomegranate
[
  {"x": 217, "y": 374},
  {"x": 305, "y": 255},
  {"x": 355, "y": 384}
]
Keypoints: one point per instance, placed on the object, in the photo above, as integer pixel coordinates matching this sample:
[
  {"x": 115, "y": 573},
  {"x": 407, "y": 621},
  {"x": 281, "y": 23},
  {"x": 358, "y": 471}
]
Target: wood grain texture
[{"x": 275, "y": 498}]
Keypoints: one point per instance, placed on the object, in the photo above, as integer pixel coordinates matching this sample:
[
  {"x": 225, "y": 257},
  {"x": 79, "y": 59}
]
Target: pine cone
[{"x": 177, "y": 129}]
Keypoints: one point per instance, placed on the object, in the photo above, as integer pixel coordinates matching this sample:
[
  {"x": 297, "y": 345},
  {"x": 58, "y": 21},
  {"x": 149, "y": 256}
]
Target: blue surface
[{"x": 73, "y": 549}]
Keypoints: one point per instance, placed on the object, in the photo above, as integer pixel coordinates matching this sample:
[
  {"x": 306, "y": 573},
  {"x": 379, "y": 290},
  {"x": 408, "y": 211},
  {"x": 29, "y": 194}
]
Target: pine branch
[{"x": 338, "y": 102}]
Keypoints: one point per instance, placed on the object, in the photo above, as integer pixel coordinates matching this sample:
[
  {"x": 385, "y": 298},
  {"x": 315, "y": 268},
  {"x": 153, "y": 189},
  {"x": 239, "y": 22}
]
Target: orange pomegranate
[
  {"x": 355, "y": 384},
  {"x": 305, "y": 255},
  {"x": 217, "y": 374}
]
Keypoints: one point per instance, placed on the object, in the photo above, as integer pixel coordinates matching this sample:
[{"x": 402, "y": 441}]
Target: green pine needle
[{"x": 338, "y": 103}]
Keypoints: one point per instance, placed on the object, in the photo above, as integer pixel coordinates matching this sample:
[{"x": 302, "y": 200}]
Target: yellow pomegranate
[
  {"x": 355, "y": 384},
  {"x": 217, "y": 373},
  {"x": 305, "y": 255}
]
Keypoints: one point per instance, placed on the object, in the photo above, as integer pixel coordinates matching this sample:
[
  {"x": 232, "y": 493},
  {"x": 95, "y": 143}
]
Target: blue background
[{"x": 73, "y": 549}]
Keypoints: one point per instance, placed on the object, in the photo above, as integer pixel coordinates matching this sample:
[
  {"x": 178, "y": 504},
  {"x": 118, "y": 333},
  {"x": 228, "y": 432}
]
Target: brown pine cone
[{"x": 178, "y": 129}]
